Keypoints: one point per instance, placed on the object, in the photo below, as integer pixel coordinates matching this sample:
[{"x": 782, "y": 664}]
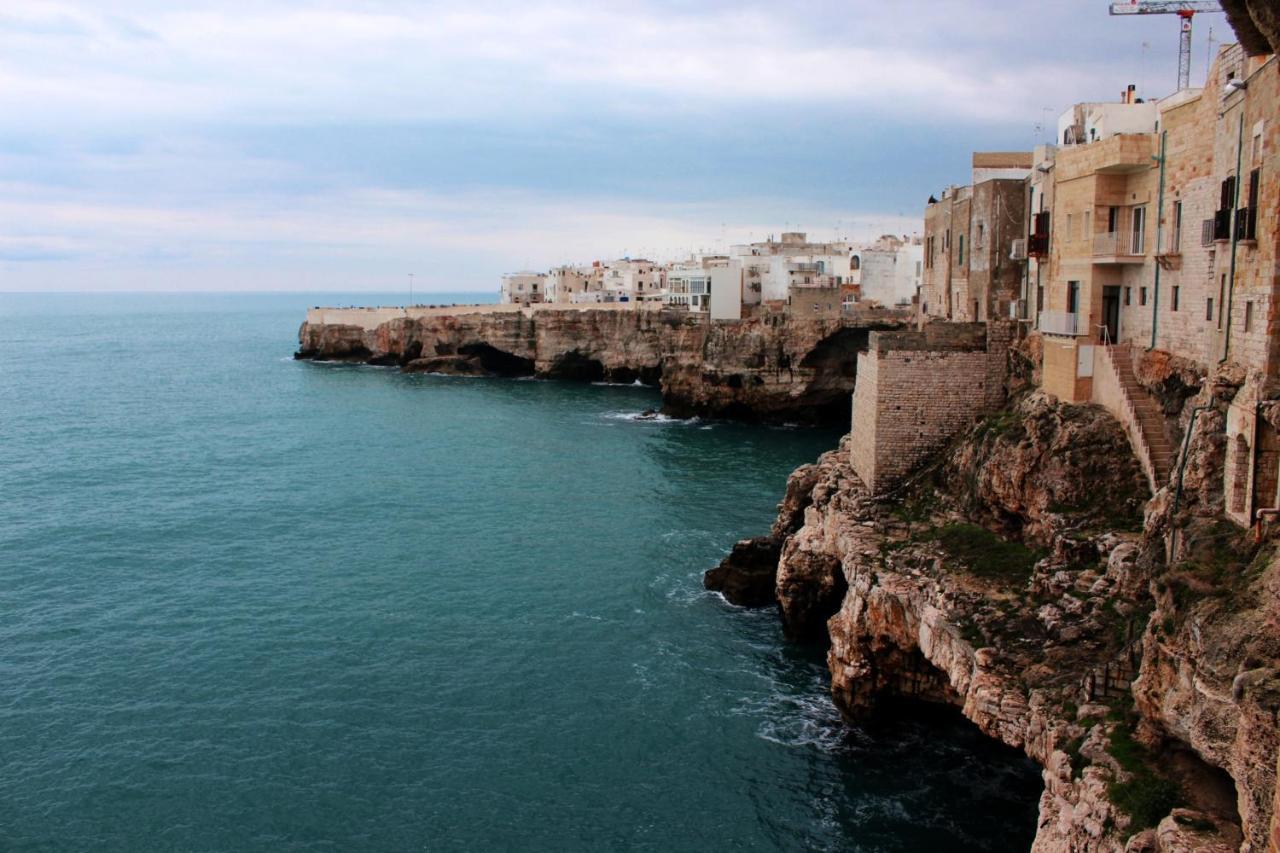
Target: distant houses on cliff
[{"x": 791, "y": 274}]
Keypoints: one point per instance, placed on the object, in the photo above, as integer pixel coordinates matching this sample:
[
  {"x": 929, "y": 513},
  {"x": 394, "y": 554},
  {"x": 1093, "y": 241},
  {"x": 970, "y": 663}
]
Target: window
[
  {"x": 1142, "y": 296},
  {"x": 1177, "y": 291},
  {"x": 960, "y": 251},
  {"x": 982, "y": 233},
  {"x": 1088, "y": 214},
  {"x": 1247, "y": 218},
  {"x": 1208, "y": 311},
  {"x": 1248, "y": 316},
  {"x": 1073, "y": 297},
  {"x": 1139, "y": 230},
  {"x": 1071, "y": 218},
  {"x": 1127, "y": 292},
  {"x": 1175, "y": 239},
  {"x": 1222, "y": 295}
]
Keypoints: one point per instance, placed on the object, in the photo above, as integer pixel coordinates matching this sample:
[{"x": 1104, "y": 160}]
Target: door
[{"x": 1110, "y": 332}]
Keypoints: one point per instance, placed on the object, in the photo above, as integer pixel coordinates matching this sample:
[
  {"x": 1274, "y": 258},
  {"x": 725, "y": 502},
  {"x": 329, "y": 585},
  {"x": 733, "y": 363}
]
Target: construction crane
[{"x": 1184, "y": 9}]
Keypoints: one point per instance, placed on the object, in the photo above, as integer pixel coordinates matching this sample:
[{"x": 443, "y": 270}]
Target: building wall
[
  {"x": 726, "y": 292},
  {"x": 813, "y": 301},
  {"x": 915, "y": 390}
]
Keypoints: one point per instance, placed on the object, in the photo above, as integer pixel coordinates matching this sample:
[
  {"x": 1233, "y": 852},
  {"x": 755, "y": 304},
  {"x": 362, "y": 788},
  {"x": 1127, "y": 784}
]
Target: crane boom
[
  {"x": 1184, "y": 9},
  {"x": 1164, "y": 7}
]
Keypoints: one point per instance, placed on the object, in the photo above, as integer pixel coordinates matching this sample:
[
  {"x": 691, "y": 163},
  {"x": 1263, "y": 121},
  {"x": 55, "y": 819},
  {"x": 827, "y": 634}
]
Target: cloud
[
  {"x": 281, "y": 143},
  {"x": 451, "y": 242},
  {"x": 393, "y": 61}
]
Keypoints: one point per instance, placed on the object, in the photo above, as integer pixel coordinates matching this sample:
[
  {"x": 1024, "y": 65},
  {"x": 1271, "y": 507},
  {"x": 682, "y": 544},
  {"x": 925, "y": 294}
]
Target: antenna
[{"x": 1208, "y": 54}]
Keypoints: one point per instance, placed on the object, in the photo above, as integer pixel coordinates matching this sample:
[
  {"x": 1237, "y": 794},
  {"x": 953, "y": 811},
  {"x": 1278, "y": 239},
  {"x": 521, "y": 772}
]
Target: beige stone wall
[
  {"x": 915, "y": 390},
  {"x": 814, "y": 302},
  {"x": 1059, "y": 373}
]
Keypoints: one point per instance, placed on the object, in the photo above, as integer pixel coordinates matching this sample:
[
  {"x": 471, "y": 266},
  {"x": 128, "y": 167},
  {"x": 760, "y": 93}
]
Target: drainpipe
[
  {"x": 1235, "y": 240},
  {"x": 1253, "y": 463},
  {"x": 1186, "y": 446},
  {"x": 1155, "y": 301}
]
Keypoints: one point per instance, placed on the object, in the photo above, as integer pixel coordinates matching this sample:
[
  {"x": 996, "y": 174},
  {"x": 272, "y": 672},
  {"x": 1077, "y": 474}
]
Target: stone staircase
[{"x": 1146, "y": 423}]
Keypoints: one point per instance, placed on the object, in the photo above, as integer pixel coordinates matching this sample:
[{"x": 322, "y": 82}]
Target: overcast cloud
[{"x": 309, "y": 145}]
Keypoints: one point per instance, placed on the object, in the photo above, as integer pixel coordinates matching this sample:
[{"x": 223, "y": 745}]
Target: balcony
[
  {"x": 1038, "y": 245},
  {"x": 1059, "y": 323},
  {"x": 1117, "y": 247}
]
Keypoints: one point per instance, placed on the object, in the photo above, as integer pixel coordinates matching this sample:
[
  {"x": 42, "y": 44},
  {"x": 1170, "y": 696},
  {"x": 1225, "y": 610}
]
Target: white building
[
  {"x": 565, "y": 282},
  {"x": 633, "y": 280},
  {"x": 890, "y": 270},
  {"x": 708, "y": 283},
  {"x": 1091, "y": 122},
  {"x": 523, "y": 287},
  {"x": 772, "y": 267}
]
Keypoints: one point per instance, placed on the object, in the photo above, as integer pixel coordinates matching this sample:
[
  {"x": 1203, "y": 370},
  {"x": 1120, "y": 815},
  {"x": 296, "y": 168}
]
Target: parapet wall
[{"x": 917, "y": 389}]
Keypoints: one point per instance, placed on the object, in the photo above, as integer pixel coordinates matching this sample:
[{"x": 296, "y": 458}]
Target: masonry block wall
[{"x": 917, "y": 389}]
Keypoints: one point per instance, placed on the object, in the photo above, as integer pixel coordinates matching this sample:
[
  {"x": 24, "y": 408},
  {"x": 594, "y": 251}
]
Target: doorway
[{"x": 1110, "y": 331}]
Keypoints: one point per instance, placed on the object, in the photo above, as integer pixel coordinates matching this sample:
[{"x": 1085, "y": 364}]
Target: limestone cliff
[
  {"x": 1014, "y": 578},
  {"x": 774, "y": 368}
]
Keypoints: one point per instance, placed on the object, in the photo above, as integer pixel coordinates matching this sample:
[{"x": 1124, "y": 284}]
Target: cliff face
[
  {"x": 1014, "y": 579},
  {"x": 773, "y": 369}
]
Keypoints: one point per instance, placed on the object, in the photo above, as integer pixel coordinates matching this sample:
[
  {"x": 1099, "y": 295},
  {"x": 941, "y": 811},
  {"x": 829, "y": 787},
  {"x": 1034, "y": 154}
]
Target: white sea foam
[
  {"x": 809, "y": 720},
  {"x": 656, "y": 418}
]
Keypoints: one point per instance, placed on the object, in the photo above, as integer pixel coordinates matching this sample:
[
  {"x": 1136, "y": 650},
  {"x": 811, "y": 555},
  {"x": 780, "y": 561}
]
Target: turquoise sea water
[{"x": 248, "y": 603}]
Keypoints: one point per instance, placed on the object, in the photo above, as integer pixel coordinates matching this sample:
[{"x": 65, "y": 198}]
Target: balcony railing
[
  {"x": 1038, "y": 245},
  {"x": 1206, "y": 232},
  {"x": 1115, "y": 243},
  {"x": 1059, "y": 323}
]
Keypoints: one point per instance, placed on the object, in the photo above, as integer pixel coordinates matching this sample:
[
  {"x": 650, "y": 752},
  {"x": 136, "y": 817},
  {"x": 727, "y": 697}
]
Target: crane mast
[{"x": 1185, "y": 10}]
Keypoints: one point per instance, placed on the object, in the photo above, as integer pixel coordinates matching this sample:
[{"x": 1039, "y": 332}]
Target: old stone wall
[{"x": 917, "y": 389}]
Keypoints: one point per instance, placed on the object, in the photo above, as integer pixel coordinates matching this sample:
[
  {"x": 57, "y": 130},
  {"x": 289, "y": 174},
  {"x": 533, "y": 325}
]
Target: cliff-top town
[{"x": 1056, "y": 508}]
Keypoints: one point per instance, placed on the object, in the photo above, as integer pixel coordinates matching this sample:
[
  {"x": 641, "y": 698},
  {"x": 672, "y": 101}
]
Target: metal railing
[
  {"x": 1059, "y": 323},
  {"x": 1116, "y": 243}
]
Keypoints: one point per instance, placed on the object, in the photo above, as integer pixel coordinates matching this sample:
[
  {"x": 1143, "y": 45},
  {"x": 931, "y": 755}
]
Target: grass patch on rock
[
  {"x": 1146, "y": 796},
  {"x": 984, "y": 553}
]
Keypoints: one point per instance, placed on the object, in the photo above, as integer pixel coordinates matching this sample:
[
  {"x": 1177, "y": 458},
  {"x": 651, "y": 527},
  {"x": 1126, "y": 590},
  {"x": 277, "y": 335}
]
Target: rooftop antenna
[
  {"x": 1142, "y": 69},
  {"x": 1208, "y": 54}
]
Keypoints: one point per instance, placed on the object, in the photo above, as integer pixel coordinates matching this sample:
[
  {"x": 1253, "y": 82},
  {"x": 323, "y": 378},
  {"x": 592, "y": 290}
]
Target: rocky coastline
[
  {"x": 774, "y": 368},
  {"x": 1024, "y": 577}
]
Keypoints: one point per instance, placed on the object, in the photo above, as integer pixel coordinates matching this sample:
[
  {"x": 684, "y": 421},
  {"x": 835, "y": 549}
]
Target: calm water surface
[{"x": 248, "y": 603}]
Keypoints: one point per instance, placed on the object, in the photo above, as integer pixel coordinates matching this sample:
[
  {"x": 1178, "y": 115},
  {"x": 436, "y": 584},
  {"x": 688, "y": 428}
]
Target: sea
[{"x": 249, "y": 603}]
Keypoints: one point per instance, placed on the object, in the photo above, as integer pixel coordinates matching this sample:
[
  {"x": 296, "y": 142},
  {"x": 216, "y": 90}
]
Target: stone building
[
  {"x": 969, "y": 270},
  {"x": 916, "y": 389},
  {"x": 1166, "y": 240}
]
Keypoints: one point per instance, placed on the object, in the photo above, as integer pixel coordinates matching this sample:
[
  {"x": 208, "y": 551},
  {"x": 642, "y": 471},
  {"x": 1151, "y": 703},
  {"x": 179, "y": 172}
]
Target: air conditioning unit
[{"x": 1019, "y": 251}]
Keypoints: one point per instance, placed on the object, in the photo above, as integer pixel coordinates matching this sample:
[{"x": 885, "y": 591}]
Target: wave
[
  {"x": 809, "y": 720},
  {"x": 650, "y": 417}
]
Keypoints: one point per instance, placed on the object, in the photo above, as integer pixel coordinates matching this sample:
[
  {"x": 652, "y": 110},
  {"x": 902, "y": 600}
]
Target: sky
[{"x": 342, "y": 146}]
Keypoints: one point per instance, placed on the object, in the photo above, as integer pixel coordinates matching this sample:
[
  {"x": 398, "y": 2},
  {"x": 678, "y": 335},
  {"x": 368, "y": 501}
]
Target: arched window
[
  {"x": 1239, "y": 474},
  {"x": 855, "y": 263}
]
